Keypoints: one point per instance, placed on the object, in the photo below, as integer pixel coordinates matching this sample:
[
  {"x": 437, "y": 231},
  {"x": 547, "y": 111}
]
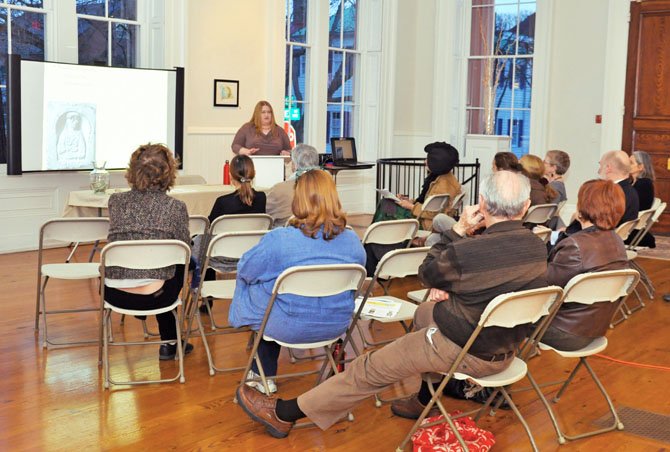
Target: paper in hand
[{"x": 387, "y": 194}]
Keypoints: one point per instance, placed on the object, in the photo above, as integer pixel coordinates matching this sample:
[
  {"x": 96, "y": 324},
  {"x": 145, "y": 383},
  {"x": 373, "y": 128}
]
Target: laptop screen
[{"x": 344, "y": 149}]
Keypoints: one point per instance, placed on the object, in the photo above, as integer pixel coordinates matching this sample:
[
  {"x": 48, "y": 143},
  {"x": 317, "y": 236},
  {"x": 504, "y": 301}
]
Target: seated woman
[
  {"x": 556, "y": 164},
  {"x": 147, "y": 212},
  {"x": 540, "y": 190},
  {"x": 642, "y": 173},
  {"x": 506, "y": 161},
  {"x": 243, "y": 200},
  {"x": 316, "y": 235},
  {"x": 596, "y": 247}
]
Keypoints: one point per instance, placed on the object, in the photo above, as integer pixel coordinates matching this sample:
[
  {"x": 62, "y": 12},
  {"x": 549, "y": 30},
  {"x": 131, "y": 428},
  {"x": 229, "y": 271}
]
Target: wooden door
[{"x": 647, "y": 111}]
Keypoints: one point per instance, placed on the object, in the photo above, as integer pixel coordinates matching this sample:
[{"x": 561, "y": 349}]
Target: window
[
  {"x": 297, "y": 67},
  {"x": 108, "y": 31},
  {"x": 341, "y": 99},
  {"x": 500, "y": 70},
  {"x": 21, "y": 32}
]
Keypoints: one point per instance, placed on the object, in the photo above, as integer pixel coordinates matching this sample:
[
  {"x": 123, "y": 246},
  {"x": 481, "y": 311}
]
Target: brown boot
[
  {"x": 261, "y": 409},
  {"x": 411, "y": 408}
]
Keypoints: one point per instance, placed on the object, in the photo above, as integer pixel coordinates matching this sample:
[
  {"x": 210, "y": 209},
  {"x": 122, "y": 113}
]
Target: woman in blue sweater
[{"x": 316, "y": 235}]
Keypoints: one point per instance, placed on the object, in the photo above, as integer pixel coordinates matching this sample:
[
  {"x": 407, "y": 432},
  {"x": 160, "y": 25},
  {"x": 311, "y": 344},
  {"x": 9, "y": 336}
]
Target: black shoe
[
  {"x": 169, "y": 351},
  {"x": 666, "y": 297},
  {"x": 203, "y": 308}
]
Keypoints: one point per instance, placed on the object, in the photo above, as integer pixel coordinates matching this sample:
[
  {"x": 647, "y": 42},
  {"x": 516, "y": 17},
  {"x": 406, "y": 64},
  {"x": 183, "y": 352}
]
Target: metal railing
[{"x": 406, "y": 175}]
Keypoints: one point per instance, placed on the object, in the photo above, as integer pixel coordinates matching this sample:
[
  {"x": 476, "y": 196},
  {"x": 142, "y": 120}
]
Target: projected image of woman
[
  {"x": 71, "y": 143},
  {"x": 70, "y": 132}
]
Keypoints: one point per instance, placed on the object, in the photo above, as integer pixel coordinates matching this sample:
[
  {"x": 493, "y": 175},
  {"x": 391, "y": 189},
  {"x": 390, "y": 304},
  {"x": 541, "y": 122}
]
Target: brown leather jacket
[
  {"x": 446, "y": 183},
  {"x": 588, "y": 250}
]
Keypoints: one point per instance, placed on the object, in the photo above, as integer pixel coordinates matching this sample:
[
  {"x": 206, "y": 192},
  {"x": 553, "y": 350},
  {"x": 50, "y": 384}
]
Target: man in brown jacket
[{"x": 465, "y": 274}]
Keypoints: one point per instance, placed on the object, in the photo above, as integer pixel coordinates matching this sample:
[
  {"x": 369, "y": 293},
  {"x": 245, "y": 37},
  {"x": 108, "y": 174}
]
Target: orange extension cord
[{"x": 632, "y": 364}]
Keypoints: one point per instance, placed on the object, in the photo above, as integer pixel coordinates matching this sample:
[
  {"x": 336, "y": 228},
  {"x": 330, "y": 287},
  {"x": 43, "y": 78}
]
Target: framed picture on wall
[{"x": 226, "y": 93}]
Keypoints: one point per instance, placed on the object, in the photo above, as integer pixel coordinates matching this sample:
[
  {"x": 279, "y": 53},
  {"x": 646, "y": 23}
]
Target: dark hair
[
  {"x": 152, "y": 167},
  {"x": 316, "y": 205},
  {"x": 506, "y": 161},
  {"x": 602, "y": 202},
  {"x": 242, "y": 170}
]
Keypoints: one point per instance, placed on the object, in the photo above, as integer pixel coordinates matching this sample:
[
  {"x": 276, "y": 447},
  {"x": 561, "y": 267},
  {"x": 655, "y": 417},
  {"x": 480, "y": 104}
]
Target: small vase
[{"x": 99, "y": 178}]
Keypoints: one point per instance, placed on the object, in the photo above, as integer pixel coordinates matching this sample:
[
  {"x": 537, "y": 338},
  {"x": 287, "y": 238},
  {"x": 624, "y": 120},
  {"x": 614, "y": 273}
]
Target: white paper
[
  {"x": 387, "y": 194},
  {"x": 379, "y": 307}
]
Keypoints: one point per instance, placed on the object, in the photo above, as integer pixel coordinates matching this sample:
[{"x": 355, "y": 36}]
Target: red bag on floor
[{"x": 440, "y": 437}]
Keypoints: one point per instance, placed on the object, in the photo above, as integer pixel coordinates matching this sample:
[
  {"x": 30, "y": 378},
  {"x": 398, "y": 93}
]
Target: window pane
[
  {"x": 501, "y": 81},
  {"x": 334, "y": 23},
  {"x": 297, "y": 19},
  {"x": 287, "y": 74},
  {"x": 521, "y": 132},
  {"x": 299, "y": 73},
  {"x": 504, "y": 42},
  {"x": 333, "y": 123},
  {"x": 348, "y": 121},
  {"x": 350, "y": 77},
  {"x": 334, "y": 76},
  {"x": 123, "y": 9},
  {"x": 350, "y": 19},
  {"x": 3, "y": 46},
  {"x": 523, "y": 82},
  {"x": 124, "y": 47},
  {"x": 31, "y": 3},
  {"x": 91, "y": 7},
  {"x": 28, "y": 34},
  {"x": 481, "y": 31},
  {"x": 476, "y": 85},
  {"x": 476, "y": 121},
  {"x": 92, "y": 42},
  {"x": 526, "y": 29},
  {"x": 3, "y": 125},
  {"x": 501, "y": 122},
  {"x": 296, "y": 115}
]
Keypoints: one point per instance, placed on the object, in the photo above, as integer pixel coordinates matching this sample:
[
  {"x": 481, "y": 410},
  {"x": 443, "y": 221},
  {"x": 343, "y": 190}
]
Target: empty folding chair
[
  {"x": 241, "y": 222},
  {"x": 540, "y": 213},
  {"x": 506, "y": 311},
  {"x": 589, "y": 288},
  {"x": 313, "y": 281},
  {"x": 632, "y": 254},
  {"x": 141, "y": 254},
  {"x": 231, "y": 245},
  {"x": 66, "y": 230}
]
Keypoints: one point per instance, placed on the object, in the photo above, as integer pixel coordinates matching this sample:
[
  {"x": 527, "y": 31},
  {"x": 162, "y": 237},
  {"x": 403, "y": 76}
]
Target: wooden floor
[{"x": 53, "y": 399}]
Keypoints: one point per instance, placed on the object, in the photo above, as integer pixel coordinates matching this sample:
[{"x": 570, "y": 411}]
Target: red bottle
[
  {"x": 226, "y": 173},
  {"x": 336, "y": 352}
]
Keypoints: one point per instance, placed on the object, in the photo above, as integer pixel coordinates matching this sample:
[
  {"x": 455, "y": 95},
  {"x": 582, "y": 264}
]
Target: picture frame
[{"x": 226, "y": 93}]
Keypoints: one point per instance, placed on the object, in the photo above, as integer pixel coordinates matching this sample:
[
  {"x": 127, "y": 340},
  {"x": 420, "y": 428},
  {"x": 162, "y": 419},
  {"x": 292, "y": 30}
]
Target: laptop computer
[{"x": 344, "y": 152}]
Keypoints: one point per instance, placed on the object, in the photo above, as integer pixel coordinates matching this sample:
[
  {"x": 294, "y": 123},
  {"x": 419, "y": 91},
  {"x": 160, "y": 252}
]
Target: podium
[{"x": 269, "y": 169}]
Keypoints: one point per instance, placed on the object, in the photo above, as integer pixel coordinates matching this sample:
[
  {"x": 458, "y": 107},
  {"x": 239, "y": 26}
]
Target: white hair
[
  {"x": 305, "y": 156},
  {"x": 505, "y": 193}
]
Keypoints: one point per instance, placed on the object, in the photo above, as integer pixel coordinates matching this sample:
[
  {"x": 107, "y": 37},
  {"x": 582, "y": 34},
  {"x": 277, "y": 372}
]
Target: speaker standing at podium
[{"x": 261, "y": 135}]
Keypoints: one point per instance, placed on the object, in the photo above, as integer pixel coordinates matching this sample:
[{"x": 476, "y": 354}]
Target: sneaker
[
  {"x": 258, "y": 385},
  {"x": 169, "y": 351}
]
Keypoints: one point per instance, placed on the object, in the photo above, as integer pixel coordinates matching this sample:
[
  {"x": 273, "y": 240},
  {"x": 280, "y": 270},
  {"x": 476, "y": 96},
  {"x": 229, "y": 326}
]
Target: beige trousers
[{"x": 423, "y": 351}]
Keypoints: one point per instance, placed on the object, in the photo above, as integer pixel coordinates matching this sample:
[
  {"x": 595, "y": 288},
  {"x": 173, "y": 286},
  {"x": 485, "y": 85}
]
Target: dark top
[
  {"x": 645, "y": 192},
  {"x": 632, "y": 201},
  {"x": 588, "y": 250},
  {"x": 231, "y": 204},
  {"x": 146, "y": 215},
  {"x": 506, "y": 257}
]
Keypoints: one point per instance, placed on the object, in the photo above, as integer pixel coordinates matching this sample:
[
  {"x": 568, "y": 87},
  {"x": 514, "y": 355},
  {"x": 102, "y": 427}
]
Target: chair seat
[
  {"x": 143, "y": 311},
  {"x": 304, "y": 346},
  {"x": 417, "y": 295},
  {"x": 219, "y": 289},
  {"x": 630, "y": 254},
  {"x": 71, "y": 271},
  {"x": 596, "y": 346},
  {"x": 515, "y": 372},
  {"x": 406, "y": 311},
  {"x": 423, "y": 233}
]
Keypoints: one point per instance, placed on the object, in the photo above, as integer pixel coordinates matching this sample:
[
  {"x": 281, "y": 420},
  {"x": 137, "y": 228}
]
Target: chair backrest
[
  {"x": 394, "y": 231},
  {"x": 233, "y": 245},
  {"x": 144, "y": 254},
  {"x": 624, "y": 229},
  {"x": 457, "y": 203},
  {"x": 589, "y": 288},
  {"x": 435, "y": 203},
  {"x": 517, "y": 308},
  {"x": 656, "y": 203},
  {"x": 659, "y": 210},
  {"x": 320, "y": 280},
  {"x": 197, "y": 225},
  {"x": 241, "y": 222},
  {"x": 190, "y": 179},
  {"x": 75, "y": 229},
  {"x": 540, "y": 213},
  {"x": 645, "y": 220},
  {"x": 401, "y": 263},
  {"x": 544, "y": 233}
]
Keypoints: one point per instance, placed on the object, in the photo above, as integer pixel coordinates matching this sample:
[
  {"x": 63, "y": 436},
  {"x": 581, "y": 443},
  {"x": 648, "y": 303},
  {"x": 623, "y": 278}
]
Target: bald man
[{"x": 615, "y": 166}]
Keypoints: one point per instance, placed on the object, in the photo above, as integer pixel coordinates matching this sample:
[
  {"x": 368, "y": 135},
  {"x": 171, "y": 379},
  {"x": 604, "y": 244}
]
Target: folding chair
[
  {"x": 631, "y": 252},
  {"x": 312, "y": 281},
  {"x": 457, "y": 203},
  {"x": 197, "y": 225},
  {"x": 540, "y": 213},
  {"x": 140, "y": 254},
  {"x": 589, "y": 288},
  {"x": 507, "y": 311},
  {"x": 542, "y": 232},
  {"x": 241, "y": 222},
  {"x": 434, "y": 204},
  {"x": 66, "y": 230},
  {"x": 230, "y": 245}
]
